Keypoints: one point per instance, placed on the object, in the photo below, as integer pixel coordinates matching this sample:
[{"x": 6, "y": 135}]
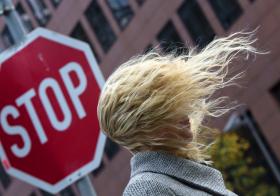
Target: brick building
[{"x": 119, "y": 29}]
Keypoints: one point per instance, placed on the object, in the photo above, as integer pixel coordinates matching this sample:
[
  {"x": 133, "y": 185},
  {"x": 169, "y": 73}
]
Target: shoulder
[
  {"x": 154, "y": 184},
  {"x": 145, "y": 184}
]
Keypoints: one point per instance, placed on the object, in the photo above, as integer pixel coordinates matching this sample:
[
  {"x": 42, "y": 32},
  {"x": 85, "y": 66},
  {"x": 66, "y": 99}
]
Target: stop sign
[{"x": 49, "y": 130}]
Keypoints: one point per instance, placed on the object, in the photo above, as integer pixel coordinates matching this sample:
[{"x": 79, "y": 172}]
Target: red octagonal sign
[{"x": 49, "y": 130}]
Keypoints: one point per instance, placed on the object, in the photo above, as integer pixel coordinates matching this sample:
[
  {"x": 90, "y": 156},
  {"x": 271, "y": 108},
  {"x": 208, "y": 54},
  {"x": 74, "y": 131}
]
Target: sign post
[
  {"x": 85, "y": 187},
  {"x": 49, "y": 130},
  {"x": 12, "y": 20}
]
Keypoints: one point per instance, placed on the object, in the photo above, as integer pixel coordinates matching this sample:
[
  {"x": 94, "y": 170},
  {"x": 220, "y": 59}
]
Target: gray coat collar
[{"x": 189, "y": 172}]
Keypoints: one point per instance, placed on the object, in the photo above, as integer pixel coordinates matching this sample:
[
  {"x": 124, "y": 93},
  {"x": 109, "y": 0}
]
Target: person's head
[{"x": 158, "y": 101}]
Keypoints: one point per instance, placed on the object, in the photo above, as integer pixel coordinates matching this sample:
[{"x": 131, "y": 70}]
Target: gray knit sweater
[{"x": 161, "y": 174}]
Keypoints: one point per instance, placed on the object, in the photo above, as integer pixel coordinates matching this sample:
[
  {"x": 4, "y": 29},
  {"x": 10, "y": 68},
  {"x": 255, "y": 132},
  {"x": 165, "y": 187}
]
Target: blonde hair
[{"x": 154, "y": 91}]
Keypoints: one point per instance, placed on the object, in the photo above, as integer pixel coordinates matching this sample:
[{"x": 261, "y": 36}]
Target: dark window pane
[
  {"x": 100, "y": 26},
  {"x": 40, "y": 11},
  {"x": 169, "y": 38},
  {"x": 79, "y": 33},
  {"x": 196, "y": 23},
  {"x": 121, "y": 11},
  {"x": 67, "y": 192},
  {"x": 140, "y": 2},
  {"x": 98, "y": 170},
  {"x": 24, "y": 18},
  {"x": 275, "y": 91},
  {"x": 111, "y": 148},
  {"x": 56, "y": 2},
  {"x": 7, "y": 37},
  {"x": 4, "y": 178},
  {"x": 227, "y": 11}
]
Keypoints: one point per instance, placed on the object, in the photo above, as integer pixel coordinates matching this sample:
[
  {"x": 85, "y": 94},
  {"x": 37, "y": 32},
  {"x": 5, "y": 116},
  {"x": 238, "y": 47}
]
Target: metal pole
[
  {"x": 85, "y": 187},
  {"x": 13, "y": 20}
]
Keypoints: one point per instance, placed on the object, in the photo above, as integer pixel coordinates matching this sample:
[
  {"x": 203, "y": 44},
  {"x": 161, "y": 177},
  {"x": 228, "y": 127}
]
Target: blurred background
[{"x": 248, "y": 152}]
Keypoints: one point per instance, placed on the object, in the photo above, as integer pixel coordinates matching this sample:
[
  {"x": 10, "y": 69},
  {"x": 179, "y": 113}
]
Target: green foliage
[{"x": 241, "y": 172}]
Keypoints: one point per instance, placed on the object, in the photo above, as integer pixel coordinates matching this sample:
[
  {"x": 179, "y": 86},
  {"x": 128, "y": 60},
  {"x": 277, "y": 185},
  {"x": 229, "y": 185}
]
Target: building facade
[{"x": 119, "y": 29}]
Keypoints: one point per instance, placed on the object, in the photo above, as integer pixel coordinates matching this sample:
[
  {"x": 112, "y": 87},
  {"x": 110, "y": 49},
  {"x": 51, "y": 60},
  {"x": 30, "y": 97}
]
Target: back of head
[{"x": 158, "y": 101}]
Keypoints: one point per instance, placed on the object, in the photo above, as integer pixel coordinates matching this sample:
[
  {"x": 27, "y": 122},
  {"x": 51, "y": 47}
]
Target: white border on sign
[{"x": 84, "y": 170}]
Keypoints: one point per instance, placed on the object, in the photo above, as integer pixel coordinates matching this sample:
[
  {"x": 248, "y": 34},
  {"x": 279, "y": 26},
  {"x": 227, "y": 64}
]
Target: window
[
  {"x": 7, "y": 37},
  {"x": 56, "y": 2},
  {"x": 4, "y": 178},
  {"x": 254, "y": 165},
  {"x": 196, "y": 23},
  {"x": 24, "y": 18},
  {"x": 100, "y": 26},
  {"x": 140, "y": 2},
  {"x": 79, "y": 33},
  {"x": 169, "y": 38},
  {"x": 121, "y": 11},
  {"x": 111, "y": 148},
  {"x": 227, "y": 11},
  {"x": 67, "y": 192},
  {"x": 275, "y": 91},
  {"x": 98, "y": 170},
  {"x": 40, "y": 11}
]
